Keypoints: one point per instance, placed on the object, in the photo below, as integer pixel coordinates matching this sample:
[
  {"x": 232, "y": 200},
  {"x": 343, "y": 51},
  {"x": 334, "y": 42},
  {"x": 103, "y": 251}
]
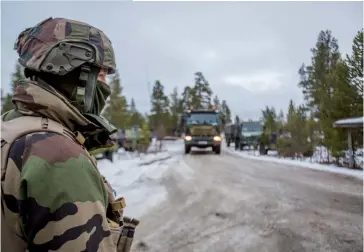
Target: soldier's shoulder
[{"x": 48, "y": 146}]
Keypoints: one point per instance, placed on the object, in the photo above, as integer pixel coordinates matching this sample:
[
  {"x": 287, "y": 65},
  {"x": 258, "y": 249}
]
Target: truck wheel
[
  {"x": 187, "y": 149},
  {"x": 217, "y": 149}
]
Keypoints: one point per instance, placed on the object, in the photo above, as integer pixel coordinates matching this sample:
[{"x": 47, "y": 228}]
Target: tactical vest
[{"x": 122, "y": 228}]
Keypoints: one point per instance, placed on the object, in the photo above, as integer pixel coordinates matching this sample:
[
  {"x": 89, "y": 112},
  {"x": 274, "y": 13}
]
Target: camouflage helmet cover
[{"x": 35, "y": 44}]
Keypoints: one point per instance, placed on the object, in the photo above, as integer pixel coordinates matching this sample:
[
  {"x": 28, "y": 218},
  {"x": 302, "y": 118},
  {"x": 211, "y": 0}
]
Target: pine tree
[
  {"x": 354, "y": 63},
  {"x": 280, "y": 121},
  {"x": 269, "y": 120},
  {"x": 313, "y": 132},
  {"x": 300, "y": 131},
  {"x": 116, "y": 109},
  {"x": 201, "y": 92},
  {"x": 269, "y": 125},
  {"x": 18, "y": 75},
  {"x": 319, "y": 81},
  {"x": 159, "y": 112},
  {"x": 186, "y": 100},
  {"x": 176, "y": 109},
  {"x": 226, "y": 112},
  {"x": 218, "y": 106},
  {"x": 136, "y": 118},
  {"x": 291, "y": 112},
  {"x": 132, "y": 106},
  {"x": 281, "y": 116}
]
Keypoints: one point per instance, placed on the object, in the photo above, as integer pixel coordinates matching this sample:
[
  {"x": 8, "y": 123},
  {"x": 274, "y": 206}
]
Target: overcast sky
[{"x": 250, "y": 52}]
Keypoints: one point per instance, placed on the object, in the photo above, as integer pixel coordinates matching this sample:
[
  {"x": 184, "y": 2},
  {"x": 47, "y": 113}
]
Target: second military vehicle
[
  {"x": 202, "y": 129},
  {"x": 251, "y": 132},
  {"x": 255, "y": 134}
]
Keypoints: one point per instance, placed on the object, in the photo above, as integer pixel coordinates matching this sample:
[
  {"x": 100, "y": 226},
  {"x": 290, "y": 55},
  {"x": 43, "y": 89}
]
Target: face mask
[{"x": 102, "y": 92}]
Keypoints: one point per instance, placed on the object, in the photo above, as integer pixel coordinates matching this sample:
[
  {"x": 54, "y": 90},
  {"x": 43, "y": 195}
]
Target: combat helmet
[{"x": 59, "y": 46}]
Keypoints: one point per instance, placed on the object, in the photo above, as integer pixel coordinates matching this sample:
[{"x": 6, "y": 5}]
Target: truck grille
[{"x": 202, "y": 132}]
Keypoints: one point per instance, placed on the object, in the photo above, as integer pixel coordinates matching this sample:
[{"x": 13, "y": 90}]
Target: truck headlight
[
  {"x": 217, "y": 138},
  {"x": 188, "y": 138}
]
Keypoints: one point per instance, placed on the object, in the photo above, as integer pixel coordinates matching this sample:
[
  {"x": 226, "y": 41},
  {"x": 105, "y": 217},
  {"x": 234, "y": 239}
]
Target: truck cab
[
  {"x": 202, "y": 129},
  {"x": 251, "y": 132}
]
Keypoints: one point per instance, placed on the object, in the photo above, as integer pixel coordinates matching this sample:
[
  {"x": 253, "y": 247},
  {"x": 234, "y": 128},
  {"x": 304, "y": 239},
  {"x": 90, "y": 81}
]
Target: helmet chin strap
[{"x": 87, "y": 87}]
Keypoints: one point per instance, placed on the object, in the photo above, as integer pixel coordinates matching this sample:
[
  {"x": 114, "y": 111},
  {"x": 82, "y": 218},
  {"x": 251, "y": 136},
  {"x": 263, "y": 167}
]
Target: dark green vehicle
[
  {"x": 254, "y": 134},
  {"x": 251, "y": 132},
  {"x": 202, "y": 130}
]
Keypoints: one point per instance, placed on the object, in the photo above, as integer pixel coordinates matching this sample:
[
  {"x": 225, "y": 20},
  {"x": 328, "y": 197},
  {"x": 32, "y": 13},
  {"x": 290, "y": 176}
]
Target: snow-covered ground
[
  {"x": 139, "y": 178},
  {"x": 319, "y": 156},
  {"x": 228, "y": 203}
]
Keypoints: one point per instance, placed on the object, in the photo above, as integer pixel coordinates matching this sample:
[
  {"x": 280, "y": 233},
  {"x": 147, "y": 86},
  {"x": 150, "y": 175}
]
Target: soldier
[{"x": 53, "y": 196}]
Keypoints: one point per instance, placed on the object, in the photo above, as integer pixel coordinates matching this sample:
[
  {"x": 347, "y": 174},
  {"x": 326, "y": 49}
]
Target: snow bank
[
  {"x": 138, "y": 184},
  {"x": 139, "y": 178},
  {"x": 320, "y": 156},
  {"x": 305, "y": 163},
  {"x": 175, "y": 146}
]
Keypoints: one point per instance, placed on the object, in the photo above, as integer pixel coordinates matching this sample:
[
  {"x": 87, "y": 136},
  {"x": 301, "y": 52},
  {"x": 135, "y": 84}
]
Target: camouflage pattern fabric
[
  {"x": 31, "y": 99},
  {"x": 53, "y": 196},
  {"x": 33, "y": 44}
]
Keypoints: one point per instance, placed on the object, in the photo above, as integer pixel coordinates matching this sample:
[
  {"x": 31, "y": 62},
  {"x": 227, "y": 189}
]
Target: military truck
[
  {"x": 251, "y": 132},
  {"x": 202, "y": 129},
  {"x": 254, "y": 134}
]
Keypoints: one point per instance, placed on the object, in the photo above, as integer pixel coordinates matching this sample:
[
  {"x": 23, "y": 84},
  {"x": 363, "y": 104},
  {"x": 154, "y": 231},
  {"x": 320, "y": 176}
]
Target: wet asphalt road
[{"x": 236, "y": 204}]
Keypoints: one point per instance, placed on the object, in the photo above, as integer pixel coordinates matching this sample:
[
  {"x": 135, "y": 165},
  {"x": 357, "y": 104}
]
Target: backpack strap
[{"x": 13, "y": 129}]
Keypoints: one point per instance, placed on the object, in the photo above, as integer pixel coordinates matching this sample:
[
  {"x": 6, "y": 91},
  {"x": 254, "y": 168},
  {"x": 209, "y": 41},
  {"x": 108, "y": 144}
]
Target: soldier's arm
[{"x": 63, "y": 198}]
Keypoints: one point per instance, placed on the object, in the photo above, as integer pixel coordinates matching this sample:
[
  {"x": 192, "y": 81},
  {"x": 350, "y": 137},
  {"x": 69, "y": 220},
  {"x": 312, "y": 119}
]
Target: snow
[
  {"x": 142, "y": 178},
  {"x": 172, "y": 146},
  {"x": 310, "y": 163},
  {"x": 320, "y": 156},
  {"x": 355, "y": 120},
  {"x": 127, "y": 174},
  {"x": 139, "y": 178}
]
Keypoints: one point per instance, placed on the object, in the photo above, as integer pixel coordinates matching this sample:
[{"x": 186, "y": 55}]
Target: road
[{"x": 237, "y": 204}]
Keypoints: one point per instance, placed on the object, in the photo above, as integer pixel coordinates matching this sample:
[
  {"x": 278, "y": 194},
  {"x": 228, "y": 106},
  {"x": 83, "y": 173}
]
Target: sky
[{"x": 250, "y": 52}]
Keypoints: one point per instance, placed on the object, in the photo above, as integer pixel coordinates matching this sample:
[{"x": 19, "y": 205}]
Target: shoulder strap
[{"x": 13, "y": 129}]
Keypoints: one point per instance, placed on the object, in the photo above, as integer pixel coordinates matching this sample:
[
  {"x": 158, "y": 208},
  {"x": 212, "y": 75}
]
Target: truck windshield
[
  {"x": 203, "y": 118},
  {"x": 251, "y": 126}
]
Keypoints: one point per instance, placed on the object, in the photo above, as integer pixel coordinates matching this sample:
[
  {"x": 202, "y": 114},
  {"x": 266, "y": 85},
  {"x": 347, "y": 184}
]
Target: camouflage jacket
[{"x": 53, "y": 196}]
